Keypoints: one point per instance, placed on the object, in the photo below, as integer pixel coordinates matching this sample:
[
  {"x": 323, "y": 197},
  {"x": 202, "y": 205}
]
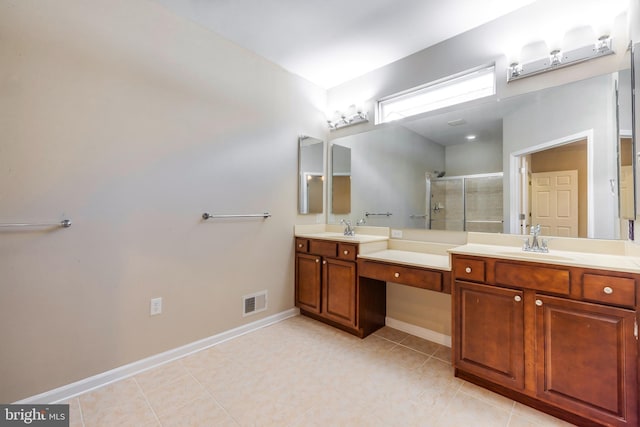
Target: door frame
[{"x": 515, "y": 192}]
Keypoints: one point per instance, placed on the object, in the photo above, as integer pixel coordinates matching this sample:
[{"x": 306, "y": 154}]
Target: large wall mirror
[
  {"x": 482, "y": 167},
  {"x": 340, "y": 179},
  {"x": 635, "y": 121},
  {"x": 310, "y": 175}
]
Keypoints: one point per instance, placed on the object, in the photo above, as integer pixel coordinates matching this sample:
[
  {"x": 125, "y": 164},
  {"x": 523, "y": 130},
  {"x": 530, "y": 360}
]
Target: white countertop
[
  {"x": 340, "y": 237},
  {"x": 415, "y": 259},
  {"x": 624, "y": 263},
  {"x": 376, "y": 245}
]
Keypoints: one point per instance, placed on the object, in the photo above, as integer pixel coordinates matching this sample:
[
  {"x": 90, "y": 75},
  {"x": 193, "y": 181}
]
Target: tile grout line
[
  {"x": 446, "y": 408},
  {"x": 487, "y": 401},
  {"x": 399, "y": 343},
  {"x": 146, "y": 399},
  {"x": 80, "y": 410},
  {"x": 213, "y": 397},
  {"x": 511, "y": 414}
]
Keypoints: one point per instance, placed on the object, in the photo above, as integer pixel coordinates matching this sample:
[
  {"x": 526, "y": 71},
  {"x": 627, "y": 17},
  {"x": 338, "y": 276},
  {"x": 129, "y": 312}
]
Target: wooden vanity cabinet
[
  {"x": 339, "y": 291},
  {"x": 585, "y": 357},
  {"x": 491, "y": 333},
  {"x": 309, "y": 282},
  {"x": 327, "y": 287},
  {"x": 561, "y": 339}
]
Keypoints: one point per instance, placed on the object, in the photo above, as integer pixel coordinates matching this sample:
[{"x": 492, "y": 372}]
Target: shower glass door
[
  {"x": 447, "y": 204},
  {"x": 466, "y": 203}
]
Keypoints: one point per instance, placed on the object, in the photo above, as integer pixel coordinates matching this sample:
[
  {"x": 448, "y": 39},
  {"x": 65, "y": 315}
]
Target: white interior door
[{"x": 554, "y": 202}]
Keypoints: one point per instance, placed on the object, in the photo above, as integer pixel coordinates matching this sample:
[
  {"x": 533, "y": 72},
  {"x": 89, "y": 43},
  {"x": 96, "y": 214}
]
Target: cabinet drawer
[
  {"x": 416, "y": 277},
  {"x": 347, "y": 251},
  {"x": 609, "y": 290},
  {"x": 469, "y": 269},
  {"x": 533, "y": 277},
  {"x": 302, "y": 245},
  {"x": 323, "y": 247}
]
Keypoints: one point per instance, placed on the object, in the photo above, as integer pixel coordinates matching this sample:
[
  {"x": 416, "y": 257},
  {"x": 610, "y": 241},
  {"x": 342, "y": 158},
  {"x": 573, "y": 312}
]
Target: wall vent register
[{"x": 254, "y": 303}]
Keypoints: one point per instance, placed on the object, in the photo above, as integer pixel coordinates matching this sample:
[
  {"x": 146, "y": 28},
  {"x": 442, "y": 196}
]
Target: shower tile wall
[
  {"x": 484, "y": 203},
  {"x": 447, "y": 205}
]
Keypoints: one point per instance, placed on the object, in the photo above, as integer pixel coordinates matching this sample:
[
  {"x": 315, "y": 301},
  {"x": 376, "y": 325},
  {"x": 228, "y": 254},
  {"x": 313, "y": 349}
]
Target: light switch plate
[{"x": 396, "y": 234}]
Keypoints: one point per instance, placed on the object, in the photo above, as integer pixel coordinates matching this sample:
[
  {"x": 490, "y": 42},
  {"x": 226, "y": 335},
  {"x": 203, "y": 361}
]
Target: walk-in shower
[{"x": 465, "y": 203}]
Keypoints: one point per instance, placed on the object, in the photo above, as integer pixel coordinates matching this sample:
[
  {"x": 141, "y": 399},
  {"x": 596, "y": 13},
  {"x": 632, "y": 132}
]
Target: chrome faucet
[
  {"x": 536, "y": 245},
  {"x": 349, "y": 230}
]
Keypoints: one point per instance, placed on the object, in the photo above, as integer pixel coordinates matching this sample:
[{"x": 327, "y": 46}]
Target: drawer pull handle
[
  {"x": 467, "y": 270},
  {"x": 608, "y": 290},
  {"x": 396, "y": 275},
  {"x": 518, "y": 298},
  {"x": 539, "y": 303},
  {"x": 346, "y": 252}
]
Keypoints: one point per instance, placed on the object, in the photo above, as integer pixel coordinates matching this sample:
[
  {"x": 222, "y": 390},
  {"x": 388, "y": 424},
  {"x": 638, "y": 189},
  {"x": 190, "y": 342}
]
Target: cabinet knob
[
  {"x": 346, "y": 252},
  {"x": 324, "y": 262},
  {"x": 518, "y": 298},
  {"x": 608, "y": 290},
  {"x": 317, "y": 260},
  {"x": 467, "y": 270},
  {"x": 299, "y": 245},
  {"x": 539, "y": 303},
  {"x": 396, "y": 275}
]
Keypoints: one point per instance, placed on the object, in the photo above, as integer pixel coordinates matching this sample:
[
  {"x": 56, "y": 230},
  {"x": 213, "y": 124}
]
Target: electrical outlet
[
  {"x": 396, "y": 234},
  {"x": 156, "y": 306}
]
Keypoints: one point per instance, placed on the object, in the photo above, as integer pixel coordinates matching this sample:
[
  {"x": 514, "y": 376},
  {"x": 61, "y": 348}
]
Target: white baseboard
[
  {"x": 419, "y": 331},
  {"x": 69, "y": 391}
]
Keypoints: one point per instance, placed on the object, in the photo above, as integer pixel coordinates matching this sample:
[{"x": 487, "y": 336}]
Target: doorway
[{"x": 554, "y": 187}]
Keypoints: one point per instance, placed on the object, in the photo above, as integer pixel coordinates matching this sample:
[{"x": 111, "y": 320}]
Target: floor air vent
[{"x": 254, "y": 303}]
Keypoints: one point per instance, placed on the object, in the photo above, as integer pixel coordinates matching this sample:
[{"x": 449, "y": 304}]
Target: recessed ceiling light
[{"x": 470, "y": 137}]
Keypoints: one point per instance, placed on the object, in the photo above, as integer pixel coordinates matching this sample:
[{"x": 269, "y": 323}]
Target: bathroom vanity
[
  {"x": 560, "y": 338},
  {"x": 341, "y": 280},
  {"x": 555, "y": 331},
  {"x": 327, "y": 287}
]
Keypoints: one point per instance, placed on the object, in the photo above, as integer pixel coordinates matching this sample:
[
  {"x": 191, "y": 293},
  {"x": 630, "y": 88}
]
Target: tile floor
[{"x": 300, "y": 372}]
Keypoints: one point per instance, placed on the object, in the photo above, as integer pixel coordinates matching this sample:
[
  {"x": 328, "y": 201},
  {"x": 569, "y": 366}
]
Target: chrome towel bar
[
  {"x": 377, "y": 214},
  {"x": 64, "y": 224},
  {"x": 207, "y": 215}
]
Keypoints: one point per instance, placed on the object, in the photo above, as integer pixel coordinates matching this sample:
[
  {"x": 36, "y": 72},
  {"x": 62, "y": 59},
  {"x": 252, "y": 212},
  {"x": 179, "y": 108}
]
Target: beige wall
[
  {"x": 132, "y": 122},
  {"x": 426, "y": 309}
]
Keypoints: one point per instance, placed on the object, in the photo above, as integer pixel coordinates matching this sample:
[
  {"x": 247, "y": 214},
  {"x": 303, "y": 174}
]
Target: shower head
[{"x": 439, "y": 174}]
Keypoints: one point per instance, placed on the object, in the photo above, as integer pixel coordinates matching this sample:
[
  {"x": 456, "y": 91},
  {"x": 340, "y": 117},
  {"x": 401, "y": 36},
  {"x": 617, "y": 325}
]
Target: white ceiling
[{"x": 329, "y": 42}]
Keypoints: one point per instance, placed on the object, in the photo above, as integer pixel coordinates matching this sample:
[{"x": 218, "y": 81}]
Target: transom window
[{"x": 433, "y": 96}]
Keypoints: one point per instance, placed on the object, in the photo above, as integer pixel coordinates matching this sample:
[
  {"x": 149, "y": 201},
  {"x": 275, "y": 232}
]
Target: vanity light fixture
[
  {"x": 347, "y": 119},
  {"x": 560, "y": 59}
]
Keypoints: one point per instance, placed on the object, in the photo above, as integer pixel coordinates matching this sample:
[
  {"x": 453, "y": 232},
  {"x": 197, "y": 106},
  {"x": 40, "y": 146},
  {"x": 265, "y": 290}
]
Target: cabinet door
[
  {"x": 308, "y": 269},
  {"x": 586, "y": 359},
  {"x": 339, "y": 291},
  {"x": 489, "y": 333}
]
